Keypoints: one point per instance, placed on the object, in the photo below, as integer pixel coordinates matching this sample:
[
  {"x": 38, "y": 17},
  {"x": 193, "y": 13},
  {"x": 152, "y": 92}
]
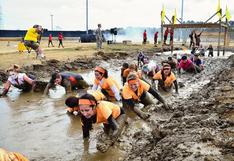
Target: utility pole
[
  {"x": 87, "y": 18},
  {"x": 51, "y": 18},
  {"x": 182, "y": 18}
]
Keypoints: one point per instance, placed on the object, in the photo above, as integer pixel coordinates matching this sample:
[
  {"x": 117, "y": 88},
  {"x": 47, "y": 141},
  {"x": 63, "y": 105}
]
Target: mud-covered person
[
  {"x": 93, "y": 111},
  {"x": 70, "y": 81},
  {"x": 166, "y": 78},
  {"x": 211, "y": 51},
  {"x": 124, "y": 66},
  {"x": 198, "y": 62},
  {"x": 72, "y": 101},
  {"x": 19, "y": 80},
  {"x": 109, "y": 87},
  {"x": 187, "y": 65},
  {"x": 31, "y": 40},
  {"x": 137, "y": 91},
  {"x": 132, "y": 69},
  {"x": 140, "y": 59}
]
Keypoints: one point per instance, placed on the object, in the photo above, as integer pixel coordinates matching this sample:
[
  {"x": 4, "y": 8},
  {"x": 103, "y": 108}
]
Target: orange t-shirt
[
  {"x": 127, "y": 92},
  {"x": 169, "y": 80},
  {"x": 106, "y": 84},
  {"x": 105, "y": 109}
]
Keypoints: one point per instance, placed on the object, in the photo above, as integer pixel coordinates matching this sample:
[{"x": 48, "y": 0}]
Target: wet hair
[
  {"x": 133, "y": 66},
  {"x": 35, "y": 26},
  {"x": 15, "y": 68},
  {"x": 71, "y": 101},
  {"x": 164, "y": 62},
  {"x": 132, "y": 76},
  {"x": 54, "y": 76},
  {"x": 89, "y": 97},
  {"x": 125, "y": 65},
  {"x": 184, "y": 57},
  {"x": 105, "y": 74},
  {"x": 169, "y": 58}
]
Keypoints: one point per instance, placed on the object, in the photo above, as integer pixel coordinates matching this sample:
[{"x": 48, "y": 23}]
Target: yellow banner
[
  {"x": 219, "y": 10},
  {"x": 163, "y": 14},
  {"x": 228, "y": 15}
]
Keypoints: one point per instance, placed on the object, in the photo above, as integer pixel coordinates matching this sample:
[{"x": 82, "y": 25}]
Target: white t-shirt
[{"x": 20, "y": 79}]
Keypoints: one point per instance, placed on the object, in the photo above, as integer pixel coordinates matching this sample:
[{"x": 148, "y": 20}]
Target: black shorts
[{"x": 31, "y": 44}]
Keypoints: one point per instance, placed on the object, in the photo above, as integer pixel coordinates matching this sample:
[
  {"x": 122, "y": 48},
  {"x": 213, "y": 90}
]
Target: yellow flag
[
  {"x": 228, "y": 15},
  {"x": 219, "y": 10},
  {"x": 174, "y": 17},
  {"x": 163, "y": 14}
]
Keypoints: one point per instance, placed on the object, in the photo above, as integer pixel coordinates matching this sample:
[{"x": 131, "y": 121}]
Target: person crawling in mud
[
  {"x": 131, "y": 69},
  {"x": 11, "y": 156},
  {"x": 197, "y": 61},
  {"x": 166, "y": 79},
  {"x": 172, "y": 62},
  {"x": 72, "y": 101},
  {"x": 187, "y": 65},
  {"x": 149, "y": 69},
  {"x": 70, "y": 81},
  {"x": 137, "y": 91},
  {"x": 93, "y": 111},
  {"x": 19, "y": 80},
  {"x": 124, "y": 66},
  {"x": 109, "y": 87},
  {"x": 140, "y": 59}
]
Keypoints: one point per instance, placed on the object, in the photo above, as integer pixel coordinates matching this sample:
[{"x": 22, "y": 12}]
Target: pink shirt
[{"x": 187, "y": 65}]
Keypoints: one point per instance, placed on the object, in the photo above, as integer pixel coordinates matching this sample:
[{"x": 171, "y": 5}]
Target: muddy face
[
  {"x": 87, "y": 111},
  {"x": 98, "y": 75}
]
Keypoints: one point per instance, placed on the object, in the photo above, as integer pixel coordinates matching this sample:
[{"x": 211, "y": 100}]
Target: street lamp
[{"x": 51, "y": 18}]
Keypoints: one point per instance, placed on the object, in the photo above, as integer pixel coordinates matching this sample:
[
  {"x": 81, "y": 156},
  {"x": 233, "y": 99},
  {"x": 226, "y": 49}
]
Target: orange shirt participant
[
  {"x": 166, "y": 79},
  {"x": 131, "y": 69},
  {"x": 93, "y": 111},
  {"x": 136, "y": 91},
  {"x": 72, "y": 102},
  {"x": 11, "y": 156},
  {"x": 109, "y": 87}
]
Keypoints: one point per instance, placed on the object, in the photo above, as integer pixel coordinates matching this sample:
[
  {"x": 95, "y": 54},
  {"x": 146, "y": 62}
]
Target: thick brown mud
[{"x": 200, "y": 125}]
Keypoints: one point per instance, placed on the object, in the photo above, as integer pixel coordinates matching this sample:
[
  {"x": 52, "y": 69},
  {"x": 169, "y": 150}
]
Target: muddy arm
[
  {"x": 130, "y": 103},
  {"x": 46, "y": 91},
  {"x": 67, "y": 86},
  {"x": 176, "y": 86},
  {"x": 156, "y": 95},
  {"x": 7, "y": 86},
  {"x": 86, "y": 126}
]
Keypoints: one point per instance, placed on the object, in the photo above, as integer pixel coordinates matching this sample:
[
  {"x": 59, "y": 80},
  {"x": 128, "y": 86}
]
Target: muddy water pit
[{"x": 39, "y": 127}]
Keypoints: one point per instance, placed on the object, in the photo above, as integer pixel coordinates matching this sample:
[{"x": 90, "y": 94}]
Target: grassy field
[{"x": 73, "y": 50}]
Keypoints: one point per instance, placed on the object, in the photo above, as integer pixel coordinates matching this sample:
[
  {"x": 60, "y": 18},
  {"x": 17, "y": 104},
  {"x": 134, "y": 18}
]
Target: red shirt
[
  {"x": 50, "y": 37},
  {"x": 144, "y": 35},
  {"x": 60, "y": 37},
  {"x": 156, "y": 35}
]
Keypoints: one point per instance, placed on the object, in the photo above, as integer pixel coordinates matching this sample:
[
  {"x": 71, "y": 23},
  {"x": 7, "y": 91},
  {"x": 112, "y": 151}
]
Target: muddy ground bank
[{"x": 198, "y": 128}]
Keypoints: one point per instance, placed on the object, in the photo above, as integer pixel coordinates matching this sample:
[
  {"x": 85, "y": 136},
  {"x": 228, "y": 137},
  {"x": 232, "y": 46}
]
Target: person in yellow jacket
[
  {"x": 21, "y": 46},
  {"x": 11, "y": 156},
  {"x": 109, "y": 87},
  {"x": 72, "y": 101},
  {"x": 31, "y": 40},
  {"x": 137, "y": 91},
  {"x": 93, "y": 111},
  {"x": 166, "y": 79}
]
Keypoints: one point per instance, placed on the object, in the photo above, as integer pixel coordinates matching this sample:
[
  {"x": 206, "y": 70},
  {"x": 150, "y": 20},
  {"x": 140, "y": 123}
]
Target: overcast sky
[{"x": 71, "y": 14}]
